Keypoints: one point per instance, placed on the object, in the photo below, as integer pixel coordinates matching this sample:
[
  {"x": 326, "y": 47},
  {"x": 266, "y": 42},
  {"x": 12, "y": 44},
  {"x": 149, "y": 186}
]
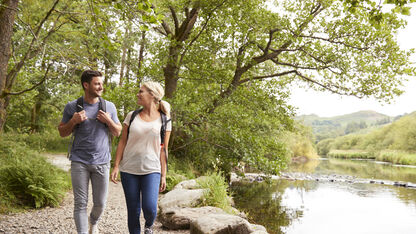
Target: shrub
[
  {"x": 216, "y": 191},
  {"x": 28, "y": 179}
]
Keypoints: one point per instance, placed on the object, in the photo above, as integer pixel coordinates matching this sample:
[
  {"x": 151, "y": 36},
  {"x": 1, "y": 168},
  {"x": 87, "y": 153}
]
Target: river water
[{"x": 343, "y": 206}]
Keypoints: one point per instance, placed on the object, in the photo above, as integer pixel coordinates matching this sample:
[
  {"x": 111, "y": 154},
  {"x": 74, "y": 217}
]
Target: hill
[
  {"x": 330, "y": 127},
  {"x": 397, "y": 136}
]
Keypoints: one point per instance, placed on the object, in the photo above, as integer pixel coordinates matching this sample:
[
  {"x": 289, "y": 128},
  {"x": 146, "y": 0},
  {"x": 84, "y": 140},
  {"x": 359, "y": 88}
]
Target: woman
[{"x": 141, "y": 158}]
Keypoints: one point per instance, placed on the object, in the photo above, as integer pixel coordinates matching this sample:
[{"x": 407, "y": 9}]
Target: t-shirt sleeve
[
  {"x": 113, "y": 113},
  {"x": 68, "y": 112},
  {"x": 127, "y": 119}
]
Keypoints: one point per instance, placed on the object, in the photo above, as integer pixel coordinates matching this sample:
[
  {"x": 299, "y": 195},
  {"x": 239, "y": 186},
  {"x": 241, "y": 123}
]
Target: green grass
[
  {"x": 348, "y": 154},
  {"x": 397, "y": 157},
  {"x": 216, "y": 192}
]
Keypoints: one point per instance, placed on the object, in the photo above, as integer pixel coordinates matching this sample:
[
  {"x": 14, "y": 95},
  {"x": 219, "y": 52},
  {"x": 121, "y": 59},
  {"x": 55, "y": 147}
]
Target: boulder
[
  {"x": 181, "y": 198},
  {"x": 187, "y": 184},
  {"x": 220, "y": 224},
  {"x": 181, "y": 218}
]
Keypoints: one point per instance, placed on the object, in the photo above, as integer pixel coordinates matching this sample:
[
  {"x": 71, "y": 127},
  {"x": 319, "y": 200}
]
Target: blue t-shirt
[{"x": 91, "y": 142}]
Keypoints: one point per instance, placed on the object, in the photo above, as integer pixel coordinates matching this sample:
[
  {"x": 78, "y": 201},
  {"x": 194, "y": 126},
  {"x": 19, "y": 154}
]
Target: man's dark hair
[{"x": 87, "y": 76}]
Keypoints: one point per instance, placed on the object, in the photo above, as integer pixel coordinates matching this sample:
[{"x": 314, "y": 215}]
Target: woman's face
[{"x": 144, "y": 97}]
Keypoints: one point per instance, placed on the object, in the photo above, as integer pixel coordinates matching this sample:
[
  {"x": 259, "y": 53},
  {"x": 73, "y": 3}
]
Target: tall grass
[
  {"x": 348, "y": 154},
  {"x": 397, "y": 157},
  {"x": 216, "y": 192},
  {"x": 28, "y": 180},
  {"x": 48, "y": 141}
]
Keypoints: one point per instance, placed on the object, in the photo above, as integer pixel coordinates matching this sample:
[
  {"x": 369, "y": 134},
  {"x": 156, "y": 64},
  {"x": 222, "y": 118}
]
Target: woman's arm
[{"x": 119, "y": 153}]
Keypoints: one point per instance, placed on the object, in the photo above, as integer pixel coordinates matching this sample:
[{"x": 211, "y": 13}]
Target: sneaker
[
  {"x": 148, "y": 230},
  {"x": 93, "y": 229}
]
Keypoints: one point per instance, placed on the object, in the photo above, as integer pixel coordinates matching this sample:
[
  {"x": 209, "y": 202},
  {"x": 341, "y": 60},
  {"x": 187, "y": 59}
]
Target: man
[{"x": 90, "y": 152}]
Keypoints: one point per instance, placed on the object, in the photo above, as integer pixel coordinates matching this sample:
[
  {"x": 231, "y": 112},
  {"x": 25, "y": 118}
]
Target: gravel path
[{"x": 60, "y": 220}]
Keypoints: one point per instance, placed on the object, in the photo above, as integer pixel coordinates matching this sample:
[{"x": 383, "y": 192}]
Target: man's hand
[
  {"x": 79, "y": 117},
  {"x": 103, "y": 117}
]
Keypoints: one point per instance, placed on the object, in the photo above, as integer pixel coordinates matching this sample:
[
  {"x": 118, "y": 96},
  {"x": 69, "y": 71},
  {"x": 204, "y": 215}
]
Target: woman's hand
[
  {"x": 114, "y": 175},
  {"x": 162, "y": 184}
]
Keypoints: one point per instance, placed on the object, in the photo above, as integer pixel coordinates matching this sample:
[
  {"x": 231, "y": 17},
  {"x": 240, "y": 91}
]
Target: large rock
[
  {"x": 187, "y": 184},
  {"x": 220, "y": 224},
  {"x": 181, "y": 198},
  {"x": 181, "y": 218}
]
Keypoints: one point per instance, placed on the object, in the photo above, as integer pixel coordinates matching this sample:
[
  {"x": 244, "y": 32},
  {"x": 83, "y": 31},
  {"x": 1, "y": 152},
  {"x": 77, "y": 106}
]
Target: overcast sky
[{"x": 325, "y": 104}]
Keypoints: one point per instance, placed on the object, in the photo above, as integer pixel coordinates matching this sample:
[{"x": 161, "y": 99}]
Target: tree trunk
[
  {"x": 171, "y": 72},
  {"x": 141, "y": 52},
  {"x": 8, "y": 11}
]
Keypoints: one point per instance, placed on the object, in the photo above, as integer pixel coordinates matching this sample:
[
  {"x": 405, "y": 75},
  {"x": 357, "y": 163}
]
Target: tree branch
[
  {"x": 175, "y": 19},
  {"x": 267, "y": 76},
  {"x": 31, "y": 88}
]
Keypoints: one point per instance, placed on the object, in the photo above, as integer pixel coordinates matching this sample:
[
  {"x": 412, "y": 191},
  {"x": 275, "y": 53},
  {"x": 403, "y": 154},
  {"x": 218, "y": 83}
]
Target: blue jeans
[
  {"x": 146, "y": 186},
  {"x": 81, "y": 174}
]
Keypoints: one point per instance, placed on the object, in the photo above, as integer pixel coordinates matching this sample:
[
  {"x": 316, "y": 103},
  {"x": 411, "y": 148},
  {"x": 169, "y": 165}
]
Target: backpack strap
[
  {"x": 131, "y": 120},
  {"x": 102, "y": 105},
  {"x": 80, "y": 104},
  {"x": 165, "y": 122}
]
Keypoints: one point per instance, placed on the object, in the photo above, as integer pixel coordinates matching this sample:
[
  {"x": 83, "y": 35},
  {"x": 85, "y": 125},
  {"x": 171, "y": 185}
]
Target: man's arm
[
  {"x": 65, "y": 129},
  {"x": 115, "y": 128}
]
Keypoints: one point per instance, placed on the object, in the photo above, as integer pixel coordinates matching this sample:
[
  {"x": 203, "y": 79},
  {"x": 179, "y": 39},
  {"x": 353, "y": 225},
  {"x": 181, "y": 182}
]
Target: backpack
[
  {"x": 79, "y": 107},
  {"x": 165, "y": 121}
]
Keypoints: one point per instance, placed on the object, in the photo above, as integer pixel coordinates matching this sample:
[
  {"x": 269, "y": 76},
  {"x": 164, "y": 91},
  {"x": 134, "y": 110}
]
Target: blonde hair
[{"x": 158, "y": 92}]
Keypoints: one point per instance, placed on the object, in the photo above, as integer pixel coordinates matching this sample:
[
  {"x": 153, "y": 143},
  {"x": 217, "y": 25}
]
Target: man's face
[{"x": 95, "y": 87}]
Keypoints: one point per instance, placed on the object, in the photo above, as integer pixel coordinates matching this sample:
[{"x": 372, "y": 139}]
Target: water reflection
[
  {"x": 360, "y": 168},
  {"x": 296, "y": 207}
]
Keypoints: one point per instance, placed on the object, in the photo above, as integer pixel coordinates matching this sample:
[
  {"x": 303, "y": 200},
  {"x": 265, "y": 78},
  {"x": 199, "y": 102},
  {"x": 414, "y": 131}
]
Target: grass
[
  {"x": 216, "y": 192},
  {"x": 397, "y": 157},
  {"x": 348, "y": 154}
]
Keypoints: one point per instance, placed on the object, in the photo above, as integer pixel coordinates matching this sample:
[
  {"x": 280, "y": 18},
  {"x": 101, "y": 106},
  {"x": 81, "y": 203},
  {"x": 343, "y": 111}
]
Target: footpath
[{"x": 60, "y": 219}]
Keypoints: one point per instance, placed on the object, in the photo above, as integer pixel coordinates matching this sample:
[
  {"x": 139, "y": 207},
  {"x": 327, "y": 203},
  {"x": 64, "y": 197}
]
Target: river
[{"x": 333, "y": 196}]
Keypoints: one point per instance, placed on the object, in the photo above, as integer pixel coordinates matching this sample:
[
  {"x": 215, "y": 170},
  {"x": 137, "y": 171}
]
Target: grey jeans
[{"x": 81, "y": 174}]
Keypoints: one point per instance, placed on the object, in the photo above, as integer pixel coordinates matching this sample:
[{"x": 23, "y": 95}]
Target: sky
[{"x": 326, "y": 104}]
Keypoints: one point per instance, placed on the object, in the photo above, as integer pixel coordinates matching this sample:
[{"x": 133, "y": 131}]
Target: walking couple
[{"x": 141, "y": 154}]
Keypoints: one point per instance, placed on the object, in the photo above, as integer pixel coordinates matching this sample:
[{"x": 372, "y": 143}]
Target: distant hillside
[
  {"x": 329, "y": 127},
  {"x": 399, "y": 135}
]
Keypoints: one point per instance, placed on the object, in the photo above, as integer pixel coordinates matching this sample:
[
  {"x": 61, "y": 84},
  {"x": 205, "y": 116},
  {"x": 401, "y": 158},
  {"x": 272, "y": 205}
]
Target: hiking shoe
[
  {"x": 93, "y": 229},
  {"x": 148, "y": 230}
]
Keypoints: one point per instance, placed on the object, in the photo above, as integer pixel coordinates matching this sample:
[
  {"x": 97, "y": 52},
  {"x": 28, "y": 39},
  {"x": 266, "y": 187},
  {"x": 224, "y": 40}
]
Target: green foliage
[
  {"x": 394, "y": 142},
  {"x": 216, "y": 191},
  {"x": 28, "y": 179},
  {"x": 230, "y": 84},
  {"x": 48, "y": 140},
  {"x": 331, "y": 127},
  {"x": 348, "y": 154},
  {"x": 397, "y": 157},
  {"x": 178, "y": 171},
  {"x": 300, "y": 142}
]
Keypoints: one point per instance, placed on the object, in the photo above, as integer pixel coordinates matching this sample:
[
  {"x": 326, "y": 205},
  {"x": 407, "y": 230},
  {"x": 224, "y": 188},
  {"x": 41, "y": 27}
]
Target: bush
[
  {"x": 216, "y": 192},
  {"x": 28, "y": 179}
]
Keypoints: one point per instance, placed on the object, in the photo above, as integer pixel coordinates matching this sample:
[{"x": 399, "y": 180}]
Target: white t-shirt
[{"x": 141, "y": 155}]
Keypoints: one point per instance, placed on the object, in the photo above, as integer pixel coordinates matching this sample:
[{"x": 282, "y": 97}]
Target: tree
[
  {"x": 214, "y": 50},
  {"x": 8, "y": 9}
]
